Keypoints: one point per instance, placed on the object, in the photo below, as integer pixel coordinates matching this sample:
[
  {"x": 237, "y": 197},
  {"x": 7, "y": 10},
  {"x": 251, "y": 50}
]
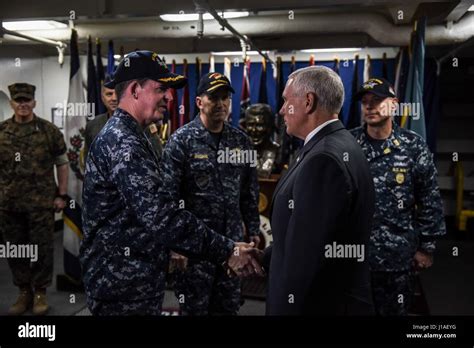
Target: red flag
[
  {"x": 311, "y": 60},
  {"x": 173, "y": 105},
  {"x": 245, "y": 95},
  {"x": 184, "y": 107}
]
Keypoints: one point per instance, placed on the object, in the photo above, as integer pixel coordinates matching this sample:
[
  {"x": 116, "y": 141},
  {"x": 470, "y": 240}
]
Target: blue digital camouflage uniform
[
  {"x": 408, "y": 214},
  {"x": 129, "y": 227},
  {"x": 223, "y": 195}
]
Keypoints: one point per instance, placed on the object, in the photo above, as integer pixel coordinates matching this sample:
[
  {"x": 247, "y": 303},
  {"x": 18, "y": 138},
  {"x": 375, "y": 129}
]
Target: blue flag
[
  {"x": 353, "y": 119},
  {"x": 110, "y": 59},
  {"x": 414, "y": 117},
  {"x": 91, "y": 79},
  {"x": 100, "y": 77}
]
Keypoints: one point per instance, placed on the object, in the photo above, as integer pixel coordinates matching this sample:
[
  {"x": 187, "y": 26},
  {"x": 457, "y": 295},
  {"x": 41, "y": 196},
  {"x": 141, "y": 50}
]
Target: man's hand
[
  {"x": 255, "y": 240},
  {"x": 242, "y": 261},
  {"x": 59, "y": 204},
  {"x": 423, "y": 260},
  {"x": 178, "y": 261}
]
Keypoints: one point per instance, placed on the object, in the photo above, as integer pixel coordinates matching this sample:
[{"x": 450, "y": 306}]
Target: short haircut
[
  {"x": 322, "y": 81},
  {"x": 122, "y": 86}
]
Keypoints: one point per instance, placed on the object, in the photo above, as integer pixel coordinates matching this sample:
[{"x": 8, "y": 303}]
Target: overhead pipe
[{"x": 377, "y": 26}]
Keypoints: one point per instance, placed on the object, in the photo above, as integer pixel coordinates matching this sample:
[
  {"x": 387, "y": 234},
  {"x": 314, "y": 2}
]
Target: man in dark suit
[{"x": 322, "y": 208}]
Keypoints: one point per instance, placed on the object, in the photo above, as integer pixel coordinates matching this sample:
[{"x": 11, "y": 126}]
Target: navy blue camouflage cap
[
  {"x": 212, "y": 82},
  {"x": 378, "y": 86},
  {"x": 145, "y": 64}
]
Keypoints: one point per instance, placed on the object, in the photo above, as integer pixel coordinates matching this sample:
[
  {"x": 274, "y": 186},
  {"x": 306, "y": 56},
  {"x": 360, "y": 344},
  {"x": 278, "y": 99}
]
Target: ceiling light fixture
[
  {"x": 33, "y": 25},
  {"x": 321, "y": 50},
  {"x": 194, "y": 16}
]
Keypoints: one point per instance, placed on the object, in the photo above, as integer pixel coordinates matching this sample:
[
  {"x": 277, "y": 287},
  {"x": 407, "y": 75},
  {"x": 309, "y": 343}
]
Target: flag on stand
[
  {"x": 367, "y": 69},
  {"x": 110, "y": 59},
  {"x": 100, "y": 77},
  {"x": 353, "y": 119},
  {"x": 245, "y": 94},
  {"x": 227, "y": 73},
  {"x": 74, "y": 129},
  {"x": 262, "y": 93},
  {"x": 197, "y": 77},
  {"x": 415, "y": 82},
  {"x": 173, "y": 111},
  {"x": 336, "y": 70},
  {"x": 212, "y": 65},
  {"x": 384, "y": 66},
  {"x": 91, "y": 79}
]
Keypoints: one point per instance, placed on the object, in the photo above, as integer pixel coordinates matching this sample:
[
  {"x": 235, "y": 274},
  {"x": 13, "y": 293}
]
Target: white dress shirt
[{"x": 317, "y": 129}]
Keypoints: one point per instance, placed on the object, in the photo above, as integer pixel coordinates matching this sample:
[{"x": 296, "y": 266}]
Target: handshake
[{"x": 245, "y": 260}]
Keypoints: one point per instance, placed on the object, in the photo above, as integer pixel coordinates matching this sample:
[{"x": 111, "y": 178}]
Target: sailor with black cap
[
  {"x": 129, "y": 227},
  {"x": 210, "y": 166},
  {"x": 408, "y": 208}
]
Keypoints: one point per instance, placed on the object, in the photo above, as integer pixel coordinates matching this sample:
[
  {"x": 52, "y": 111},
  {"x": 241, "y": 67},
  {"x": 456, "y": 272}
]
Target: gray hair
[{"x": 322, "y": 81}]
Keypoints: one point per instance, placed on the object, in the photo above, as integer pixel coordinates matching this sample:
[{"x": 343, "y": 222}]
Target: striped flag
[
  {"x": 100, "y": 77},
  {"x": 74, "y": 129},
  {"x": 184, "y": 107}
]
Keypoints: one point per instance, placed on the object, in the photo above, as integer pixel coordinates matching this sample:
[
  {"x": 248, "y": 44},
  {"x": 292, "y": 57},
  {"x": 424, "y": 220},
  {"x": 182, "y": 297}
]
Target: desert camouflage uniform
[{"x": 28, "y": 154}]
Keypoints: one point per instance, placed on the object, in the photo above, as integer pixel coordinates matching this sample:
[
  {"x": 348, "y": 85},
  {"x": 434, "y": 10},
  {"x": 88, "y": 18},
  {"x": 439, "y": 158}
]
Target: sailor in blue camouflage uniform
[
  {"x": 198, "y": 169},
  {"x": 129, "y": 227},
  {"x": 408, "y": 211}
]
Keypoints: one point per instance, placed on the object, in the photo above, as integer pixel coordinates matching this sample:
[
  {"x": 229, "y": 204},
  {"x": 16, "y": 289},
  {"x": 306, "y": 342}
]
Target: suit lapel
[{"x": 330, "y": 128}]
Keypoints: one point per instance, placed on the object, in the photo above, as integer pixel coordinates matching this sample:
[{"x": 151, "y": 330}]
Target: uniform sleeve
[
  {"x": 58, "y": 147},
  {"x": 136, "y": 177},
  {"x": 429, "y": 212},
  {"x": 87, "y": 139},
  {"x": 171, "y": 168},
  {"x": 249, "y": 194}
]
